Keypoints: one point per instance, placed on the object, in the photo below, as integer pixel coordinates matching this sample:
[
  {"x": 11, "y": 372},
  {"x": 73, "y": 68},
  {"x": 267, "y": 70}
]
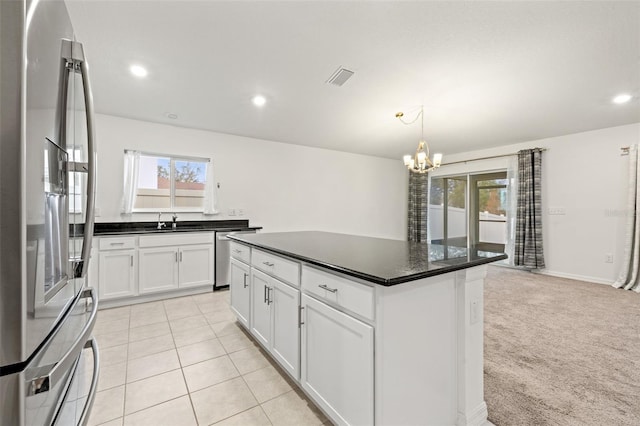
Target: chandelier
[{"x": 420, "y": 162}]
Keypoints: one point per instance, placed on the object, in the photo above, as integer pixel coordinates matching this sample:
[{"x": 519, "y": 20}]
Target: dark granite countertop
[
  {"x": 120, "y": 228},
  {"x": 377, "y": 260}
]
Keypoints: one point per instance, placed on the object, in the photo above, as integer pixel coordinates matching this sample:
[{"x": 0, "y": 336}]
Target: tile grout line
[{"x": 184, "y": 378}]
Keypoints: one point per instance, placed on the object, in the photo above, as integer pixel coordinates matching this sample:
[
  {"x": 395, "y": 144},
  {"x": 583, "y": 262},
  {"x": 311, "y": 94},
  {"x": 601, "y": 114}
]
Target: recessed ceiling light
[
  {"x": 138, "y": 71},
  {"x": 259, "y": 100},
  {"x": 622, "y": 98}
]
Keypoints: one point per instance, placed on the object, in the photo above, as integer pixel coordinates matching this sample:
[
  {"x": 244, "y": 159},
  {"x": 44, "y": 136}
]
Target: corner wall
[
  {"x": 585, "y": 174},
  {"x": 281, "y": 187}
]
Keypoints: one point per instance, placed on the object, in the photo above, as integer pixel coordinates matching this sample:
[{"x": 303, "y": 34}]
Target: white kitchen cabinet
[
  {"x": 117, "y": 273},
  {"x": 285, "y": 332},
  {"x": 240, "y": 288},
  {"x": 195, "y": 266},
  {"x": 158, "y": 269},
  {"x": 169, "y": 262},
  {"x": 337, "y": 362},
  {"x": 274, "y": 319},
  {"x": 260, "y": 307}
]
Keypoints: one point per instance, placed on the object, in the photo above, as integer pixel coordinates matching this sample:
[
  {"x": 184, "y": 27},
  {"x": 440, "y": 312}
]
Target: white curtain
[
  {"x": 131, "y": 166},
  {"x": 210, "y": 199},
  {"x": 628, "y": 278},
  {"x": 511, "y": 209}
]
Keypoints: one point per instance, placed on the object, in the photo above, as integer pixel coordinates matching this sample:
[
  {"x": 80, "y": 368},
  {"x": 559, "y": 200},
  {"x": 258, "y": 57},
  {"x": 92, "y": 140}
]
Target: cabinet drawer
[
  {"x": 355, "y": 297},
  {"x": 177, "y": 239},
  {"x": 279, "y": 267},
  {"x": 117, "y": 243},
  {"x": 241, "y": 252}
]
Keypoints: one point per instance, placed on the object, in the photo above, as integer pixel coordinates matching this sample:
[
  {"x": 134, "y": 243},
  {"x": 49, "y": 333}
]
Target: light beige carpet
[{"x": 560, "y": 352}]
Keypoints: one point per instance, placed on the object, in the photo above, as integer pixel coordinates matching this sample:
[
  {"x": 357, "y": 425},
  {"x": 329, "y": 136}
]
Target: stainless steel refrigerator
[{"x": 49, "y": 361}]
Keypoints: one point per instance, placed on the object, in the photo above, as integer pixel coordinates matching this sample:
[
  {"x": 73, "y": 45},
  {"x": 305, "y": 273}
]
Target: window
[{"x": 157, "y": 182}]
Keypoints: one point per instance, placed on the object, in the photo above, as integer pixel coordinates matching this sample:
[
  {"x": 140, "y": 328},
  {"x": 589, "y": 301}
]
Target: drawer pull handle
[
  {"x": 268, "y": 264},
  {"x": 237, "y": 251},
  {"x": 245, "y": 281},
  {"x": 300, "y": 322},
  {"x": 269, "y": 295},
  {"x": 117, "y": 244},
  {"x": 332, "y": 290},
  {"x": 265, "y": 294}
]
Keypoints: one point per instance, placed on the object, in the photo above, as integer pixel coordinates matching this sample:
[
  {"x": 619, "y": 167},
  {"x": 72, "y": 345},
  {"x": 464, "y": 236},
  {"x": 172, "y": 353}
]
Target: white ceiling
[{"x": 488, "y": 73}]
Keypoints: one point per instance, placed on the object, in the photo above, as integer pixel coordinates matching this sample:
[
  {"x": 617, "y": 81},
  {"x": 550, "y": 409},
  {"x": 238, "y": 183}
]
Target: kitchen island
[{"x": 375, "y": 331}]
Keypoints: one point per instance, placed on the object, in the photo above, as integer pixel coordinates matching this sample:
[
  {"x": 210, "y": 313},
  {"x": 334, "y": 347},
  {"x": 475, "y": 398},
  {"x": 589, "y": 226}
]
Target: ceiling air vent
[{"x": 340, "y": 77}]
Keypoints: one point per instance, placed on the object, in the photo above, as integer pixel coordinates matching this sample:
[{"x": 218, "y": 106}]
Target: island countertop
[{"x": 377, "y": 260}]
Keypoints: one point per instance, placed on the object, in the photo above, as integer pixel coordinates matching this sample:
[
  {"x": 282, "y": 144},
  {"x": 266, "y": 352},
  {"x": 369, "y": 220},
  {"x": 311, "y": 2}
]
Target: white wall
[
  {"x": 281, "y": 187},
  {"x": 585, "y": 174}
]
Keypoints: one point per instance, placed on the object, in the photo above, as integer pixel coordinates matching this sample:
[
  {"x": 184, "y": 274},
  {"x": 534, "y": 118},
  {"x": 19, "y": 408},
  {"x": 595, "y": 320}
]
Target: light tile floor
[{"x": 185, "y": 361}]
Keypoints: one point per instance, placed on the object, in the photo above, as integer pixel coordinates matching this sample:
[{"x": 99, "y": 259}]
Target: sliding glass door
[
  {"x": 489, "y": 213},
  {"x": 448, "y": 210},
  {"x": 469, "y": 209}
]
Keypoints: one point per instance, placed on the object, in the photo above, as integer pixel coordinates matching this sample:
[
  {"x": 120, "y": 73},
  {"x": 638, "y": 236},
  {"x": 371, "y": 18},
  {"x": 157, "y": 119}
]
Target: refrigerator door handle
[
  {"x": 84, "y": 417},
  {"x": 42, "y": 379},
  {"x": 79, "y": 63}
]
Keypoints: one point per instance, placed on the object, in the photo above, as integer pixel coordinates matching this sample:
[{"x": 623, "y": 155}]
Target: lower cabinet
[
  {"x": 166, "y": 268},
  {"x": 128, "y": 266},
  {"x": 117, "y": 268},
  {"x": 195, "y": 265},
  {"x": 337, "y": 362},
  {"x": 274, "y": 319},
  {"x": 158, "y": 269},
  {"x": 240, "y": 288}
]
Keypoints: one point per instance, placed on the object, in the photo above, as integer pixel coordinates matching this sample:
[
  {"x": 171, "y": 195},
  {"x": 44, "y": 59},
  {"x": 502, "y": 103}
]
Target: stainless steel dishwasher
[{"x": 222, "y": 256}]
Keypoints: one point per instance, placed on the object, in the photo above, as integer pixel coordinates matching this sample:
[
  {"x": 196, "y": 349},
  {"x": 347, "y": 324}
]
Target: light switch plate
[{"x": 558, "y": 211}]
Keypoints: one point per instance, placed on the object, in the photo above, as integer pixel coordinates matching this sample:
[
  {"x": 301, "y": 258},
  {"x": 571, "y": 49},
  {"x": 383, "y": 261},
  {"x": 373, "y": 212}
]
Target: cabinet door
[
  {"x": 260, "y": 307},
  {"x": 285, "y": 333},
  {"x": 195, "y": 265},
  {"x": 240, "y": 287},
  {"x": 116, "y": 274},
  {"x": 337, "y": 363},
  {"x": 158, "y": 269}
]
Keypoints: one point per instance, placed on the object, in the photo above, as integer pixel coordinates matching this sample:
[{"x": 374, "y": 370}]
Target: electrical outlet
[
  {"x": 608, "y": 258},
  {"x": 232, "y": 212},
  {"x": 240, "y": 212},
  {"x": 475, "y": 312},
  {"x": 558, "y": 211}
]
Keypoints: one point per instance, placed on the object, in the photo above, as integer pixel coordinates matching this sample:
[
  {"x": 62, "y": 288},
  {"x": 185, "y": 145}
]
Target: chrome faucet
[
  {"x": 161, "y": 224},
  {"x": 174, "y": 225}
]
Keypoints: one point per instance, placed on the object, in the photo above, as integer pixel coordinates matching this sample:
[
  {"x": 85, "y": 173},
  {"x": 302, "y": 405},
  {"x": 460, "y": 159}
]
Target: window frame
[{"x": 172, "y": 184}]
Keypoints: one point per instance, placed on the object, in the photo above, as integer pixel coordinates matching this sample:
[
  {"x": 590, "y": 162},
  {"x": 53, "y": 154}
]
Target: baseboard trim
[
  {"x": 572, "y": 276},
  {"x": 152, "y": 297},
  {"x": 477, "y": 417}
]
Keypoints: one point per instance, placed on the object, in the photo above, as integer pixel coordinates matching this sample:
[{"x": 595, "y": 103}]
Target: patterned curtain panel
[
  {"x": 628, "y": 278},
  {"x": 528, "y": 244},
  {"x": 418, "y": 204}
]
